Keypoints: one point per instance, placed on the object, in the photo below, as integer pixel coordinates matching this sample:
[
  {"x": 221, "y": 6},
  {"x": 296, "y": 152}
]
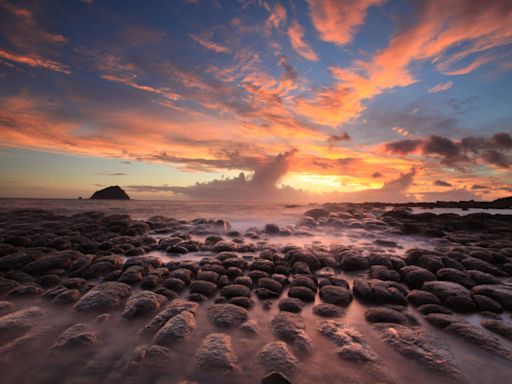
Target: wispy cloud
[
  {"x": 209, "y": 44},
  {"x": 441, "y": 87},
  {"x": 303, "y": 49},
  {"x": 338, "y": 20}
]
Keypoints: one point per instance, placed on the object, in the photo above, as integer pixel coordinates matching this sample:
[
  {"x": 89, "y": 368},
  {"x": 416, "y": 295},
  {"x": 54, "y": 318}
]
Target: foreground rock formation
[{"x": 104, "y": 298}]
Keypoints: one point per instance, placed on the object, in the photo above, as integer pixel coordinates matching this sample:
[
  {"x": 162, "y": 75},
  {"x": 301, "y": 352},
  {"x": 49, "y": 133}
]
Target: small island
[{"x": 110, "y": 193}]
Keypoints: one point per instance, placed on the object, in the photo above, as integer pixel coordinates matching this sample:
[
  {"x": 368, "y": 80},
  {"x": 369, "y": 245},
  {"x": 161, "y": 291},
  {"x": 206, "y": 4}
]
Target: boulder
[
  {"x": 335, "y": 295},
  {"x": 290, "y": 327},
  {"x": 77, "y": 337},
  {"x": 105, "y": 297},
  {"x": 143, "y": 304},
  {"x": 216, "y": 353},
  {"x": 328, "y": 310},
  {"x": 177, "y": 328},
  {"x": 276, "y": 357},
  {"x": 17, "y": 323},
  {"x": 416, "y": 344},
  {"x": 175, "y": 308},
  {"x": 291, "y": 304},
  {"x": 227, "y": 315}
]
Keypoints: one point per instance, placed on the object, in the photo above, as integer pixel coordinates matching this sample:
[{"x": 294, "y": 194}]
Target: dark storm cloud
[
  {"x": 344, "y": 136},
  {"x": 442, "y": 183},
  {"x": 494, "y": 157},
  {"x": 403, "y": 147},
  {"x": 492, "y": 151}
]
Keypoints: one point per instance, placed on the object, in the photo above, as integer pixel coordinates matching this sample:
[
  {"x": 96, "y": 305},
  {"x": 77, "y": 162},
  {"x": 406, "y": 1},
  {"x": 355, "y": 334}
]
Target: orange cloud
[
  {"x": 337, "y": 20},
  {"x": 210, "y": 45},
  {"x": 35, "y": 61},
  {"x": 303, "y": 49},
  {"x": 441, "y": 27}
]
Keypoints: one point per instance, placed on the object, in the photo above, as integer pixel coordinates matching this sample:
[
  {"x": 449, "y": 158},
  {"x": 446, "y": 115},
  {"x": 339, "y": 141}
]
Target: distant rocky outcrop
[{"x": 110, "y": 193}]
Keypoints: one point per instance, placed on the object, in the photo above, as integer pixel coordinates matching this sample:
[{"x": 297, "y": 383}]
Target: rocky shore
[{"x": 104, "y": 298}]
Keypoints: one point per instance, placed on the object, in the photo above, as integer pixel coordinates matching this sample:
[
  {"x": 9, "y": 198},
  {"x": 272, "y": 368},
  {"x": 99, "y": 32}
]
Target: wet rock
[
  {"x": 57, "y": 260},
  {"x": 379, "y": 292},
  {"x": 415, "y": 276},
  {"x": 26, "y": 290},
  {"x": 210, "y": 276},
  {"x": 67, "y": 297},
  {"x": 335, "y": 295},
  {"x": 177, "y": 328},
  {"x": 500, "y": 293},
  {"x": 419, "y": 297},
  {"x": 150, "y": 282},
  {"x": 385, "y": 315},
  {"x": 271, "y": 229},
  {"x": 227, "y": 315},
  {"x": 456, "y": 276},
  {"x": 426, "y": 309},
  {"x": 353, "y": 261},
  {"x": 216, "y": 353},
  {"x": 317, "y": 213},
  {"x": 454, "y": 295},
  {"x": 244, "y": 280},
  {"x": 290, "y": 327},
  {"x": 470, "y": 333},
  {"x": 15, "y": 261},
  {"x": 383, "y": 273},
  {"x": 499, "y": 327},
  {"x": 7, "y": 285},
  {"x": 174, "y": 284},
  {"x": 276, "y": 357},
  {"x": 235, "y": 290},
  {"x": 250, "y": 327},
  {"x": 270, "y": 284},
  {"x": 105, "y": 297},
  {"x": 302, "y": 293},
  {"x": 183, "y": 274},
  {"x": 426, "y": 349},
  {"x": 224, "y": 246},
  {"x": 241, "y": 301},
  {"x": 174, "y": 309},
  {"x": 78, "y": 336},
  {"x": 328, "y": 310},
  {"x": 5, "y": 307},
  {"x": 17, "y": 323},
  {"x": 203, "y": 287},
  {"x": 143, "y": 304},
  {"x": 275, "y": 378},
  {"x": 483, "y": 278},
  {"x": 290, "y": 304},
  {"x": 352, "y": 345},
  {"x": 485, "y": 303},
  {"x": 480, "y": 265}
]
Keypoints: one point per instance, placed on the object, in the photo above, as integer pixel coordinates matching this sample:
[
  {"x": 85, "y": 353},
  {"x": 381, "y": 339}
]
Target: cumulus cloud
[
  {"x": 441, "y": 87},
  {"x": 478, "y": 186},
  {"x": 261, "y": 186}
]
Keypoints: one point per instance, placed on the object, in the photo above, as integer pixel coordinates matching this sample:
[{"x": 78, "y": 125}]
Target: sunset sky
[{"x": 316, "y": 100}]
